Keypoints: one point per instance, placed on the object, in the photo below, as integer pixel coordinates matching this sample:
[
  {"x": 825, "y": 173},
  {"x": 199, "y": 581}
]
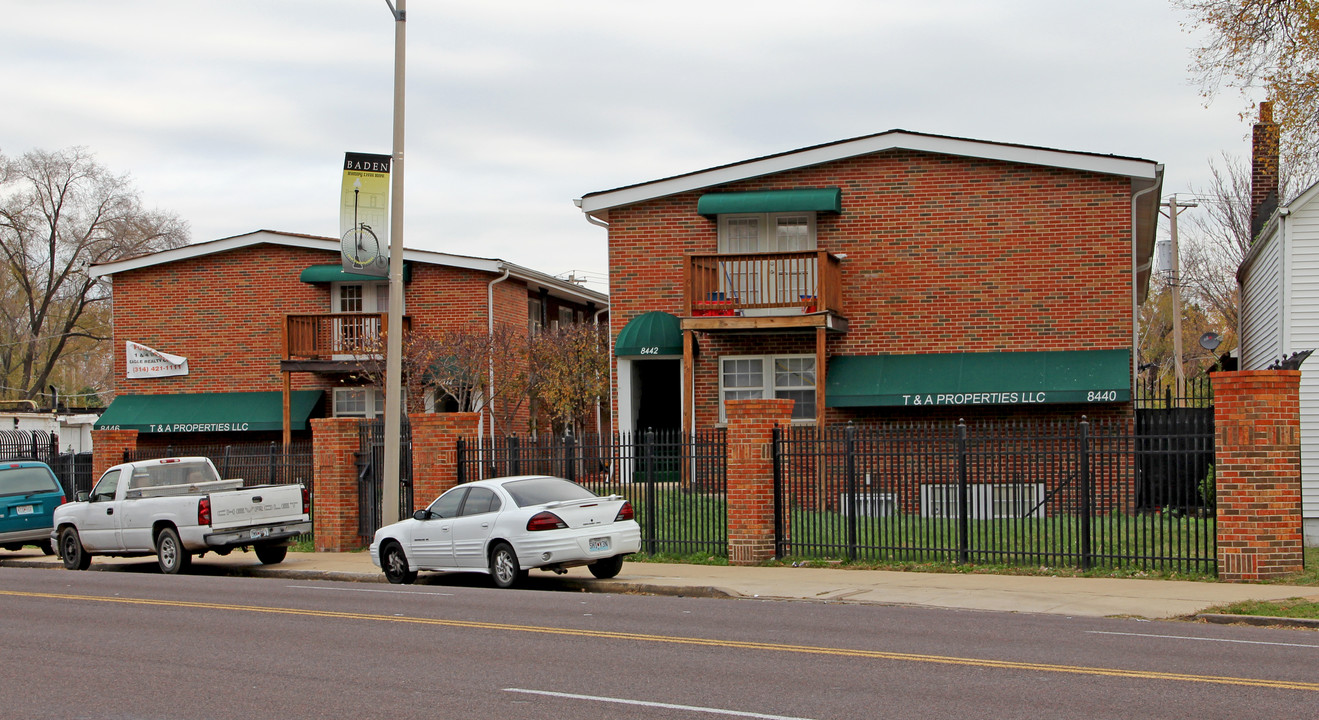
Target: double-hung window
[
  {"x": 789, "y": 377},
  {"x": 360, "y": 402}
]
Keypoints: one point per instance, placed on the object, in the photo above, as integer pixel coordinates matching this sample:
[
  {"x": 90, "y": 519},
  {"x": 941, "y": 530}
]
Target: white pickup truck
[{"x": 174, "y": 507}]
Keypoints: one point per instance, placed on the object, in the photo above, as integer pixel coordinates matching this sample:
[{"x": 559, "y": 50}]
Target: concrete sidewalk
[{"x": 1084, "y": 597}]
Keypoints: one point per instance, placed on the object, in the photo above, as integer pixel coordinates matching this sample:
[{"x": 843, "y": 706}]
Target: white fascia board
[
  {"x": 557, "y": 286},
  {"x": 288, "y": 240},
  {"x": 1104, "y": 164}
]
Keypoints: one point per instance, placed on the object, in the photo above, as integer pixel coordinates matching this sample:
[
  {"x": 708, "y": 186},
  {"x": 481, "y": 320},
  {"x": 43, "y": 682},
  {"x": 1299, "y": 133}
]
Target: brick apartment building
[
  {"x": 897, "y": 276},
  {"x": 258, "y": 314}
]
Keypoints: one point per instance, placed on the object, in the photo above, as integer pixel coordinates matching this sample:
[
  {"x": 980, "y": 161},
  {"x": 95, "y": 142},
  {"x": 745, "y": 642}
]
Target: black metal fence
[
  {"x": 677, "y": 485},
  {"x": 1018, "y": 493},
  {"x": 371, "y": 475},
  {"x": 74, "y": 470},
  {"x": 261, "y": 463}
]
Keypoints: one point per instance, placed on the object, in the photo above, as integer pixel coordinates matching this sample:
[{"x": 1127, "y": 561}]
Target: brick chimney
[{"x": 1263, "y": 170}]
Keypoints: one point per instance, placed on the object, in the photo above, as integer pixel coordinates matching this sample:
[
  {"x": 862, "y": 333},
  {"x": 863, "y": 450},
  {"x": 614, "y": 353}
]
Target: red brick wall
[
  {"x": 225, "y": 312},
  {"x": 751, "y": 477},
  {"x": 944, "y": 254},
  {"x": 335, "y": 505},
  {"x": 1258, "y": 470},
  {"x": 435, "y": 453},
  {"x": 108, "y": 447}
]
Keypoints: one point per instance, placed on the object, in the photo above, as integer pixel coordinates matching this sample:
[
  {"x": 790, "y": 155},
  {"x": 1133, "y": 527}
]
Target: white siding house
[{"x": 1280, "y": 315}]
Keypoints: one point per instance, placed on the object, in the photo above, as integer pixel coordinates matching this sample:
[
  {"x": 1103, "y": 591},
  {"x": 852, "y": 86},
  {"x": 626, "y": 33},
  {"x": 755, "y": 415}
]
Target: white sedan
[{"x": 505, "y": 526}]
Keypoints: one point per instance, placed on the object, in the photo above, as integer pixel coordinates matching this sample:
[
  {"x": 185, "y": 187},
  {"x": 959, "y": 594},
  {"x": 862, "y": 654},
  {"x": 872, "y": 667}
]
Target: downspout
[
  {"x": 1287, "y": 303},
  {"x": 596, "y": 320},
  {"x": 490, "y": 329},
  {"x": 1135, "y": 279}
]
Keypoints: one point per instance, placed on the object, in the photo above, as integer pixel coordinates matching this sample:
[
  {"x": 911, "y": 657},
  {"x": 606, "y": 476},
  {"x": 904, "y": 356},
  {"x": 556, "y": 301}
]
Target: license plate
[
  {"x": 260, "y": 533},
  {"x": 598, "y": 544},
  {"x": 25, "y": 509}
]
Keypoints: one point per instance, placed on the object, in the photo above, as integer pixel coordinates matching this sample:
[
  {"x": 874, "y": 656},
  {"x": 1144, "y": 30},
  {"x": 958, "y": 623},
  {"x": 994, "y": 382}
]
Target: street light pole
[{"x": 390, "y": 496}]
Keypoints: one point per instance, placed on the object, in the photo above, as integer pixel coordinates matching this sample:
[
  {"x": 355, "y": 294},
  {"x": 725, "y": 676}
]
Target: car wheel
[
  {"x": 504, "y": 567},
  {"x": 271, "y": 554},
  {"x": 170, "y": 554},
  {"x": 395, "y": 565},
  {"x": 48, "y": 547},
  {"x": 72, "y": 552},
  {"x": 607, "y": 568}
]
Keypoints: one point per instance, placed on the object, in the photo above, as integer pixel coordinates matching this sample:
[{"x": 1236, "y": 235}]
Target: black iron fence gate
[
  {"x": 1032, "y": 493},
  {"x": 371, "y": 475}
]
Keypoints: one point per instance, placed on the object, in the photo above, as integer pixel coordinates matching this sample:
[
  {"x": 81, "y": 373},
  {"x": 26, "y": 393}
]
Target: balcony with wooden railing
[
  {"x": 336, "y": 337},
  {"x": 763, "y": 290}
]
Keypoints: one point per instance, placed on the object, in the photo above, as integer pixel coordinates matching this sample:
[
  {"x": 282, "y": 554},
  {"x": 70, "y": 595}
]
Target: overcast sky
[{"x": 235, "y": 114}]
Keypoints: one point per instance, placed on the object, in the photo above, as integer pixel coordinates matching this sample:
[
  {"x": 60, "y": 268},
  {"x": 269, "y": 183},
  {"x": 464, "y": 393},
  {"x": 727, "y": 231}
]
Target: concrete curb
[{"x": 1259, "y": 620}]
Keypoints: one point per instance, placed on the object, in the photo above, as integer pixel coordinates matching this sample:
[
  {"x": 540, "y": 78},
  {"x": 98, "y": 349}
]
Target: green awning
[
  {"x": 765, "y": 201},
  {"x": 650, "y": 334},
  {"x": 1008, "y": 378},
  {"x": 336, "y": 273},
  {"x": 209, "y": 412}
]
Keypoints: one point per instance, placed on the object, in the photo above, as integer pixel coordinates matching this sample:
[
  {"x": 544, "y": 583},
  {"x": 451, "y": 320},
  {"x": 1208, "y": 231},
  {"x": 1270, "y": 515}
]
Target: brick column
[
  {"x": 108, "y": 448},
  {"x": 751, "y": 477},
  {"x": 334, "y": 509},
  {"x": 1258, "y": 471},
  {"x": 435, "y": 452}
]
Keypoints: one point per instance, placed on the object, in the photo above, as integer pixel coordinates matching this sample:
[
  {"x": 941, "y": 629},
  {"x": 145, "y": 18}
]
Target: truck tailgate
[{"x": 256, "y": 506}]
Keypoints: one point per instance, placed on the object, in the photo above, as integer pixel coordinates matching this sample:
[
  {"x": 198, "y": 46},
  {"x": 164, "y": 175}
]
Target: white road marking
[
  {"x": 1186, "y": 637},
  {"x": 390, "y": 592},
  {"x": 667, "y": 706}
]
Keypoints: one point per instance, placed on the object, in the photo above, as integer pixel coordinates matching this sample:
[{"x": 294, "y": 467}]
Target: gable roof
[
  {"x": 1146, "y": 177},
  {"x": 1141, "y": 172},
  {"x": 557, "y": 287},
  {"x": 1272, "y": 225}
]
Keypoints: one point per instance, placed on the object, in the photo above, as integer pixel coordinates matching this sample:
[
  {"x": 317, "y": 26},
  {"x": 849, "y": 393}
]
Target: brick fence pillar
[
  {"x": 1257, "y": 466},
  {"x": 108, "y": 447},
  {"x": 751, "y": 477},
  {"x": 435, "y": 452},
  {"x": 334, "y": 503}
]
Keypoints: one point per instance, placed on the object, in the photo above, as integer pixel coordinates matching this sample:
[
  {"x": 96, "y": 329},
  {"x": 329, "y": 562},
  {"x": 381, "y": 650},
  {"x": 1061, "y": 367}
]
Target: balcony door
[
  {"x": 766, "y": 281},
  {"x": 353, "y": 334}
]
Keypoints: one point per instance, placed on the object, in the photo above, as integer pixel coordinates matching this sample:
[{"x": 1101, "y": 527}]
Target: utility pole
[
  {"x": 390, "y": 491},
  {"x": 1175, "y": 283}
]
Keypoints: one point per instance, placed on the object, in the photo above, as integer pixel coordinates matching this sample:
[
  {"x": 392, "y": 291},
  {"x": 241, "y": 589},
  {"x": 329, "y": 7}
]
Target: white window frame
[
  {"x": 374, "y": 402},
  {"x": 768, "y": 240},
  {"x": 767, "y": 388}
]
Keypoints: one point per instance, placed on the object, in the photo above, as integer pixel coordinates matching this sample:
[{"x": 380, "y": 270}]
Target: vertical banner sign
[{"x": 364, "y": 214}]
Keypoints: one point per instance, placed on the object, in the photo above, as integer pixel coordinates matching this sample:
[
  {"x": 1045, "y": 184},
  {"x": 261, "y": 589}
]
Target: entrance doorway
[{"x": 657, "y": 389}]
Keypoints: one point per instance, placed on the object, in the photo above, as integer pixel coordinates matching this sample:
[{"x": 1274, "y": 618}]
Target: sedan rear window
[
  {"x": 27, "y": 480},
  {"x": 541, "y": 490}
]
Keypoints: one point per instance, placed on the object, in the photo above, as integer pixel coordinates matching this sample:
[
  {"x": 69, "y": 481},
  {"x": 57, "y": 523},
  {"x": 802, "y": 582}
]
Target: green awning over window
[
  {"x": 336, "y": 273},
  {"x": 1009, "y": 378},
  {"x": 767, "y": 201},
  {"x": 209, "y": 412},
  {"x": 650, "y": 334}
]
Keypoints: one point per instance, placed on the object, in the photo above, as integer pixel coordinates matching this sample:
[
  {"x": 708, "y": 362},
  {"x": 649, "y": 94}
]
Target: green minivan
[{"x": 29, "y": 494}]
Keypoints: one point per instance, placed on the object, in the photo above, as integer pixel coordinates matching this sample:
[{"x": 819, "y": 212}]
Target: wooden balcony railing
[
  {"x": 336, "y": 336},
  {"x": 762, "y": 283}
]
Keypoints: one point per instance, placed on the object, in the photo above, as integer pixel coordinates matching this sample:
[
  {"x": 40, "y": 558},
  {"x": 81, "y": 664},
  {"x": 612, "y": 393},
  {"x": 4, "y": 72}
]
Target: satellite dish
[{"x": 1210, "y": 340}]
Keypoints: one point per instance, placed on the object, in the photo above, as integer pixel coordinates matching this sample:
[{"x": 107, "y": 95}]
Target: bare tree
[
  {"x": 1215, "y": 238},
  {"x": 1270, "y": 46},
  {"x": 59, "y": 213},
  {"x": 470, "y": 369}
]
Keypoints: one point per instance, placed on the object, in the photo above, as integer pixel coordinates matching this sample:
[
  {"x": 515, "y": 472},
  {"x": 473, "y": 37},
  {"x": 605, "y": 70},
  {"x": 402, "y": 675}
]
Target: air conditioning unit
[
  {"x": 984, "y": 501},
  {"x": 868, "y": 504}
]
